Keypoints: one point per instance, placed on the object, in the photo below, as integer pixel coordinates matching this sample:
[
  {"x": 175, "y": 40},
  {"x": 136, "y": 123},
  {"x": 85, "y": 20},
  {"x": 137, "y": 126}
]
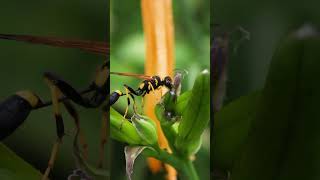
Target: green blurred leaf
[
  {"x": 13, "y": 167},
  {"x": 283, "y": 141},
  {"x": 231, "y": 126}
]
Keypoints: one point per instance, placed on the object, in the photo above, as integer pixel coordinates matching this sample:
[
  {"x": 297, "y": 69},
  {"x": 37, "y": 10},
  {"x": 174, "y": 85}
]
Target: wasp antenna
[
  {"x": 140, "y": 76},
  {"x": 182, "y": 72},
  {"x": 89, "y": 46}
]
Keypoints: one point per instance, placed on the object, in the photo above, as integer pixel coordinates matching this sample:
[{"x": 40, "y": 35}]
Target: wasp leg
[
  {"x": 134, "y": 104},
  {"x": 137, "y": 92},
  {"x": 53, "y": 156},
  {"x": 73, "y": 112},
  {"x": 128, "y": 95},
  {"x": 150, "y": 85},
  {"x": 114, "y": 96},
  {"x": 99, "y": 96},
  {"x": 142, "y": 101},
  {"x": 131, "y": 93},
  {"x": 153, "y": 90},
  {"x": 128, "y": 102},
  {"x": 103, "y": 139},
  {"x": 55, "y": 94}
]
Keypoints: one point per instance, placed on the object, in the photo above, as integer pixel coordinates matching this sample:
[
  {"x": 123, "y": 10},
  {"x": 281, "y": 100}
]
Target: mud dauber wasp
[
  {"x": 149, "y": 84},
  {"x": 15, "y": 109}
]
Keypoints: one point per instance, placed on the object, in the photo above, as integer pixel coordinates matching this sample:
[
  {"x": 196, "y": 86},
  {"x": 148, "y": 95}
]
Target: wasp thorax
[{"x": 157, "y": 79}]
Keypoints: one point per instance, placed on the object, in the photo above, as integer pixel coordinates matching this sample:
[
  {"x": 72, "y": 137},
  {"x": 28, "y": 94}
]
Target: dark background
[
  {"x": 22, "y": 66},
  {"x": 268, "y": 23}
]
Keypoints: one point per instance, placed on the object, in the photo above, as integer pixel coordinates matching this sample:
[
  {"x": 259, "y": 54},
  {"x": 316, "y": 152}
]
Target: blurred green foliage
[
  {"x": 22, "y": 66},
  {"x": 284, "y": 114},
  {"x": 13, "y": 167},
  {"x": 268, "y": 22},
  {"x": 192, "y": 43}
]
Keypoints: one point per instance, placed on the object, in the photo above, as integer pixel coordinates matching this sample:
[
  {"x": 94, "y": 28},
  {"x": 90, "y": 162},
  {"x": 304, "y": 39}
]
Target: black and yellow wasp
[
  {"x": 149, "y": 84},
  {"x": 15, "y": 109}
]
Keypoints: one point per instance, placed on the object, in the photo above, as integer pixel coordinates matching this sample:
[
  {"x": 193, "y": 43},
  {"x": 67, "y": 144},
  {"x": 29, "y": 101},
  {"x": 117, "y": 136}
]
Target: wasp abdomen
[
  {"x": 114, "y": 97},
  {"x": 13, "y": 112}
]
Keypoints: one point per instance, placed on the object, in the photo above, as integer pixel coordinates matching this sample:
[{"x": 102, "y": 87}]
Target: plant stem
[
  {"x": 183, "y": 165},
  {"x": 191, "y": 171}
]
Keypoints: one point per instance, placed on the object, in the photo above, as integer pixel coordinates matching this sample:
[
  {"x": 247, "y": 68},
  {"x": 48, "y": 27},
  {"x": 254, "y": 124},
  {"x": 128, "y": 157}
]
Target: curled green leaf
[
  {"x": 131, "y": 154},
  {"x": 195, "y": 116},
  {"x": 167, "y": 124},
  {"x": 123, "y": 130},
  {"x": 146, "y": 128},
  {"x": 182, "y": 102},
  {"x": 141, "y": 130},
  {"x": 12, "y": 167},
  {"x": 283, "y": 140},
  {"x": 231, "y": 127}
]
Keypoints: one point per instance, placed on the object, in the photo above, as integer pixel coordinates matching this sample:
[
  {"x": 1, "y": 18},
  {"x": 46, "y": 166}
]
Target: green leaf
[
  {"x": 140, "y": 130},
  {"x": 302, "y": 158},
  {"x": 283, "y": 141},
  {"x": 183, "y": 101},
  {"x": 146, "y": 128},
  {"x": 231, "y": 126},
  {"x": 167, "y": 125},
  {"x": 122, "y": 130},
  {"x": 195, "y": 116},
  {"x": 13, "y": 167}
]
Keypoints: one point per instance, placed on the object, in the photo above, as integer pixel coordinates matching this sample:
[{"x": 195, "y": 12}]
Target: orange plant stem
[{"x": 159, "y": 37}]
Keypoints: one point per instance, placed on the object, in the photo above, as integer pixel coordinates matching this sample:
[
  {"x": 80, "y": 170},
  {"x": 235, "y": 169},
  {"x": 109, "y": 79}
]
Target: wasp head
[{"x": 167, "y": 82}]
